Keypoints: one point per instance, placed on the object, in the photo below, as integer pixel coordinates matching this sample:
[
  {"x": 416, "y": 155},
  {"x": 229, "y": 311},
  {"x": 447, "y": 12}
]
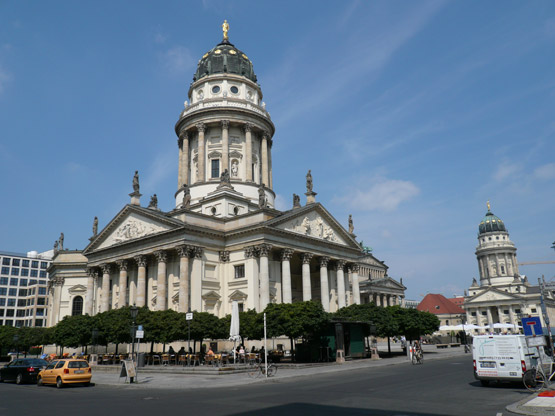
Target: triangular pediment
[
  {"x": 238, "y": 295},
  {"x": 211, "y": 295},
  {"x": 77, "y": 289},
  {"x": 314, "y": 221},
  {"x": 385, "y": 283},
  {"x": 492, "y": 295},
  {"x": 130, "y": 224}
]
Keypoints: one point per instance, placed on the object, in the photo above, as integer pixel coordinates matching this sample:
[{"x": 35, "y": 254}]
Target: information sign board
[
  {"x": 128, "y": 369},
  {"x": 139, "y": 334},
  {"x": 532, "y": 326},
  {"x": 189, "y": 316}
]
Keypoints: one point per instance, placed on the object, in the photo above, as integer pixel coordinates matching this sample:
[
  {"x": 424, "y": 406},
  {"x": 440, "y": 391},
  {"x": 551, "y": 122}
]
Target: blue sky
[{"x": 411, "y": 116}]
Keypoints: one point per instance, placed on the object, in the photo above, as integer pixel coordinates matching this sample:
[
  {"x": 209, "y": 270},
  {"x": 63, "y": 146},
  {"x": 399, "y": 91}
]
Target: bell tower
[{"x": 225, "y": 137}]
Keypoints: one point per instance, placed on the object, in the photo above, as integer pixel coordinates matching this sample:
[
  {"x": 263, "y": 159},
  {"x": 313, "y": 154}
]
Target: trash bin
[{"x": 141, "y": 359}]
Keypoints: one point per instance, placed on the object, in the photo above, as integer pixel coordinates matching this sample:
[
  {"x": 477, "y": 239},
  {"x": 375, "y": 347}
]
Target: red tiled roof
[
  {"x": 438, "y": 304},
  {"x": 459, "y": 301}
]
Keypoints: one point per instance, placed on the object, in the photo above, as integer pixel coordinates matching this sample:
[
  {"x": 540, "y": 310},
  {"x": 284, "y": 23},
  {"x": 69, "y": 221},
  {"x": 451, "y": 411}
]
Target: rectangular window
[
  {"x": 6, "y": 261},
  {"x": 20, "y": 313},
  {"x": 34, "y": 273},
  {"x": 5, "y": 270},
  {"x": 41, "y": 301},
  {"x": 22, "y": 292},
  {"x": 14, "y": 281},
  {"x": 15, "y": 272},
  {"x": 3, "y": 291},
  {"x": 2, "y": 301},
  {"x": 472, "y": 313},
  {"x": 43, "y": 265},
  {"x": 15, "y": 262},
  {"x": 241, "y": 306},
  {"x": 517, "y": 311},
  {"x": 25, "y": 272},
  {"x": 40, "y": 312},
  {"x": 215, "y": 168},
  {"x": 32, "y": 282},
  {"x": 533, "y": 310},
  {"x": 3, "y": 280},
  {"x": 42, "y": 273},
  {"x": 18, "y": 324},
  {"x": 10, "y": 312},
  {"x": 506, "y": 311},
  {"x": 35, "y": 264},
  {"x": 484, "y": 313},
  {"x": 13, "y": 292},
  {"x": 502, "y": 269},
  {"x": 1, "y": 312},
  {"x": 22, "y": 282},
  {"x": 22, "y": 302},
  {"x": 239, "y": 271},
  {"x": 38, "y": 322},
  {"x": 8, "y": 322},
  {"x": 25, "y": 263},
  {"x": 42, "y": 291}
]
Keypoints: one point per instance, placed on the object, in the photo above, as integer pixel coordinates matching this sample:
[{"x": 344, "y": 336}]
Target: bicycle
[
  {"x": 466, "y": 348},
  {"x": 535, "y": 379},
  {"x": 417, "y": 357},
  {"x": 259, "y": 370}
]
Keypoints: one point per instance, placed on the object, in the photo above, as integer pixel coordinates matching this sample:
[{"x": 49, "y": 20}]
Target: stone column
[
  {"x": 469, "y": 317},
  {"x": 196, "y": 280},
  {"x": 515, "y": 264},
  {"x": 89, "y": 296},
  {"x": 105, "y": 305},
  {"x": 225, "y": 145},
  {"x": 264, "y": 275},
  {"x": 307, "y": 287},
  {"x": 183, "y": 252},
  {"x": 324, "y": 286},
  {"x": 58, "y": 284},
  {"x": 356, "y": 289},
  {"x": 265, "y": 177},
  {"x": 340, "y": 283},
  {"x": 180, "y": 162},
  {"x": 141, "y": 281},
  {"x": 161, "y": 289},
  {"x": 490, "y": 319},
  {"x": 201, "y": 127},
  {"x": 286, "y": 275},
  {"x": 122, "y": 264},
  {"x": 248, "y": 151},
  {"x": 512, "y": 317},
  {"x": 375, "y": 298},
  {"x": 184, "y": 159}
]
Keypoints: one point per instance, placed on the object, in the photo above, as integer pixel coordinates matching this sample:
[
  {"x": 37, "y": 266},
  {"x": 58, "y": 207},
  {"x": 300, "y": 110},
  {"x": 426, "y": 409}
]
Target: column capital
[
  {"x": 307, "y": 257},
  {"x": 161, "y": 256},
  {"x": 225, "y": 124},
  {"x": 201, "y": 127},
  {"x": 183, "y": 135},
  {"x": 92, "y": 272},
  {"x": 324, "y": 261},
  {"x": 198, "y": 252},
  {"x": 353, "y": 268},
  {"x": 140, "y": 260},
  {"x": 248, "y": 127},
  {"x": 106, "y": 268},
  {"x": 122, "y": 264},
  {"x": 266, "y": 134},
  {"x": 184, "y": 250},
  {"x": 179, "y": 142},
  {"x": 340, "y": 264},
  {"x": 264, "y": 250},
  {"x": 58, "y": 281},
  {"x": 250, "y": 252},
  {"x": 286, "y": 254},
  {"x": 224, "y": 256}
]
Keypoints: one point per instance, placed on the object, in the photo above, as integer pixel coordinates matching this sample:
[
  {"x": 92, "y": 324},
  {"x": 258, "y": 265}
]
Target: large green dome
[
  {"x": 225, "y": 58},
  {"x": 491, "y": 223}
]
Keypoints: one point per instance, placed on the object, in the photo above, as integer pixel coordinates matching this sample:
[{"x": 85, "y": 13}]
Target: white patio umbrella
[{"x": 234, "y": 327}]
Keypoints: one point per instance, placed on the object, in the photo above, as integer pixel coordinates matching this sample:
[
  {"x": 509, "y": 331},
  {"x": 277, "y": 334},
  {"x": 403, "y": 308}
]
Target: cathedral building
[
  {"x": 224, "y": 240},
  {"x": 502, "y": 297}
]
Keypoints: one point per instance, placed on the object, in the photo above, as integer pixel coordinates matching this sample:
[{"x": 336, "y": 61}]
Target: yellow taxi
[{"x": 67, "y": 371}]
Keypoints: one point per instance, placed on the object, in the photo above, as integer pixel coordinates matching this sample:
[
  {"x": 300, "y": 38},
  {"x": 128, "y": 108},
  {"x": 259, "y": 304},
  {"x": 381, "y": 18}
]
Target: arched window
[{"x": 77, "y": 308}]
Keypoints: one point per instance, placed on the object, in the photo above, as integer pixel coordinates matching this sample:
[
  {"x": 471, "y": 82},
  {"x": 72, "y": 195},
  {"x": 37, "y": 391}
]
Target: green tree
[
  {"x": 73, "y": 331},
  {"x": 413, "y": 323}
]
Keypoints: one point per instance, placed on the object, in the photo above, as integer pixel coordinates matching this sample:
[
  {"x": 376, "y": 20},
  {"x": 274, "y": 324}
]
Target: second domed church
[{"x": 224, "y": 240}]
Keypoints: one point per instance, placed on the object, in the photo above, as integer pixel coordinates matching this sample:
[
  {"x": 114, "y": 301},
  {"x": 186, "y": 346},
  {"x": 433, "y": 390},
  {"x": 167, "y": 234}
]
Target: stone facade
[{"x": 224, "y": 241}]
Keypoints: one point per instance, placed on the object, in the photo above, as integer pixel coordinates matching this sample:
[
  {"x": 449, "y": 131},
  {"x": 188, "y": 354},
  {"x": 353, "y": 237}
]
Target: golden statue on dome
[
  {"x": 225, "y": 28},
  {"x": 489, "y": 207}
]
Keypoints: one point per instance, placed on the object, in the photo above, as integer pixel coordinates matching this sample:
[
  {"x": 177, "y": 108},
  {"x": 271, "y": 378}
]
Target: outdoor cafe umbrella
[{"x": 234, "y": 327}]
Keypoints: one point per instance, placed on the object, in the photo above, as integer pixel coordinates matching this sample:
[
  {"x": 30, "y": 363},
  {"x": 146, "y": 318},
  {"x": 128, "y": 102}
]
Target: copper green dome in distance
[
  {"x": 490, "y": 223},
  {"x": 225, "y": 58}
]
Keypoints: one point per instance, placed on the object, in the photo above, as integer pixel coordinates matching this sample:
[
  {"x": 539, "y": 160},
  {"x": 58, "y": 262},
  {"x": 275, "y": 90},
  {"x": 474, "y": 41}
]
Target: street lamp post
[{"x": 134, "y": 311}]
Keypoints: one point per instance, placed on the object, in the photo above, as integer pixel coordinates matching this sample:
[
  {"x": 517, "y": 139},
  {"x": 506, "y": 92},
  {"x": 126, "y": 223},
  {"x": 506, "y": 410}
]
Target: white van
[{"x": 502, "y": 357}]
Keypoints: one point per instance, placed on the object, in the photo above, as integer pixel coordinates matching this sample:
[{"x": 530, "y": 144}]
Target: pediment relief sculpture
[
  {"x": 132, "y": 228},
  {"x": 313, "y": 225}
]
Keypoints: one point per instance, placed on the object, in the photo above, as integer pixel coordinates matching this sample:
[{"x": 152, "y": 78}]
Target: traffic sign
[
  {"x": 189, "y": 316},
  {"x": 140, "y": 334},
  {"x": 532, "y": 326}
]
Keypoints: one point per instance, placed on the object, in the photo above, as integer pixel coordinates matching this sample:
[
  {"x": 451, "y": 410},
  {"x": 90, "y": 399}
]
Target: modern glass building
[{"x": 23, "y": 288}]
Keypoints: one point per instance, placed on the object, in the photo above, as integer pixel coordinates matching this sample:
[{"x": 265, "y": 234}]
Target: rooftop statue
[
  {"x": 224, "y": 177},
  {"x": 309, "y": 181},
  {"x": 225, "y": 29},
  {"x": 186, "y": 196},
  {"x": 296, "y": 201},
  {"x": 153, "y": 202},
  {"x": 136, "y": 181},
  {"x": 95, "y": 226},
  {"x": 261, "y": 197},
  {"x": 61, "y": 241},
  {"x": 351, "y": 225}
]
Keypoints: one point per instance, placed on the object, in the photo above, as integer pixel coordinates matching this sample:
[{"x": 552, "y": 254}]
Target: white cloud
[
  {"x": 178, "y": 59},
  {"x": 382, "y": 195},
  {"x": 545, "y": 171},
  {"x": 159, "y": 38},
  {"x": 505, "y": 170}
]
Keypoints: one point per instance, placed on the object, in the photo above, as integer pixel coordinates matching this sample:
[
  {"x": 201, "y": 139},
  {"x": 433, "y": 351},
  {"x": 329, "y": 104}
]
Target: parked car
[
  {"x": 70, "y": 371},
  {"x": 22, "y": 370}
]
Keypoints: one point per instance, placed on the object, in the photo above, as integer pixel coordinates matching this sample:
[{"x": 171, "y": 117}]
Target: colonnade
[
  {"x": 185, "y": 165},
  {"x": 385, "y": 299},
  {"x": 508, "y": 259},
  {"x": 485, "y": 319}
]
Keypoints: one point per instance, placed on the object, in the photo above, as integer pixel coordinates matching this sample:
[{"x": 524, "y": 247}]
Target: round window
[
  {"x": 215, "y": 89},
  {"x": 234, "y": 90}
]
